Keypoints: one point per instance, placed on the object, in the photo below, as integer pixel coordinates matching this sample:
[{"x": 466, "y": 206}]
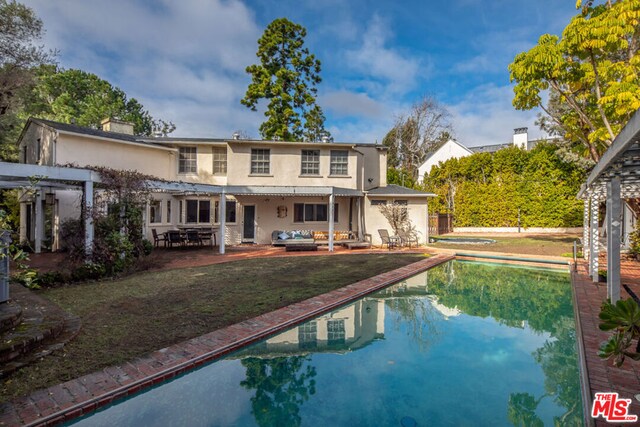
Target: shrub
[{"x": 88, "y": 271}]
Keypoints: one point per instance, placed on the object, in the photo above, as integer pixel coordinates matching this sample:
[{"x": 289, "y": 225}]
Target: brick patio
[
  {"x": 602, "y": 376},
  {"x": 69, "y": 400}
]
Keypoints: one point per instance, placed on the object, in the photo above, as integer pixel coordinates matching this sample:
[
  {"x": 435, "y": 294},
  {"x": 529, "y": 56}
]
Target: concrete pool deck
[{"x": 74, "y": 398}]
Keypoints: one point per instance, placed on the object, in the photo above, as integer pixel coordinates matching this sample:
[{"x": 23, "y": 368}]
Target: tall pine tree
[{"x": 287, "y": 76}]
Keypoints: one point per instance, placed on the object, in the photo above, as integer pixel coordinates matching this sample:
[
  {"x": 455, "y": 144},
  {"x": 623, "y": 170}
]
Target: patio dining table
[{"x": 181, "y": 234}]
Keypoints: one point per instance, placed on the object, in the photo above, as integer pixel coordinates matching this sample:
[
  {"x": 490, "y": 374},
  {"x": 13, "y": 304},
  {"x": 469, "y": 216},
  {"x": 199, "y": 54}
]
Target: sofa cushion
[{"x": 283, "y": 236}]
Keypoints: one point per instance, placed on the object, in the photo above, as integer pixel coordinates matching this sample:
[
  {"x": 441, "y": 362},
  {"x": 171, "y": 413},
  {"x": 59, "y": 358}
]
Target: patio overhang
[
  {"x": 290, "y": 191},
  {"x": 615, "y": 177}
]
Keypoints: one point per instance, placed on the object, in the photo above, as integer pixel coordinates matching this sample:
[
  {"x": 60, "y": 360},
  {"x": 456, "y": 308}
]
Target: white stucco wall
[
  {"x": 285, "y": 166},
  {"x": 84, "y": 151},
  {"x": 417, "y": 209},
  {"x": 449, "y": 150}
]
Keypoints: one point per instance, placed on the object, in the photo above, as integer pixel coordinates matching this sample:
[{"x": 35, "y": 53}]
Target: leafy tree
[
  {"x": 75, "y": 96},
  {"x": 287, "y": 76},
  {"x": 281, "y": 385},
  {"x": 20, "y": 31},
  {"x": 591, "y": 73},
  {"x": 424, "y": 129}
]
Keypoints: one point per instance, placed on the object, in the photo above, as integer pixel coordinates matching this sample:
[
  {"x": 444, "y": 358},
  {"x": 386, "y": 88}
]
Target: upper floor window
[
  {"x": 339, "y": 162},
  {"x": 310, "y": 162},
  {"x": 38, "y": 150},
  {"x": 219, "y": 161},
  {"x": 260, "y": 160},
  {"x": 187, "y": 162}
]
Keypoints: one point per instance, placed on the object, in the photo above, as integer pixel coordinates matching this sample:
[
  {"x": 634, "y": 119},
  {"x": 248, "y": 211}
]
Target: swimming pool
[{"x": 464, "y": 343}]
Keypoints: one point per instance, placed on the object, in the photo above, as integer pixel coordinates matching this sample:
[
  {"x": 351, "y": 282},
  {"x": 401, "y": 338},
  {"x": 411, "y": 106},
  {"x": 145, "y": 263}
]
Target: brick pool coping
[
  {"x": 69, "y": 400},
  {"x": 599, "y": 375}
]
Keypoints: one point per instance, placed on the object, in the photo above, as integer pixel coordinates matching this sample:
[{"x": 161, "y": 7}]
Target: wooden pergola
[{"x": 614, "y": 178}]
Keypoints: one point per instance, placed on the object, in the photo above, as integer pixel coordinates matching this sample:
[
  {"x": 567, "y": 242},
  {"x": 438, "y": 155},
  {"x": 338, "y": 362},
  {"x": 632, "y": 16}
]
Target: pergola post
[
  {"x": 585, "y": 228},
  {"x": 88, "y": 218},
  {"x": 331, "y": 219},
  {"x": 359, "y": 208},
  {"x": 614, "y": 222},
  {"x": 426, "y": 233},
  {"x": 223, "y": 221},
  {"x": 594, "y": 241},
  {"x": 39, "y": 229}
]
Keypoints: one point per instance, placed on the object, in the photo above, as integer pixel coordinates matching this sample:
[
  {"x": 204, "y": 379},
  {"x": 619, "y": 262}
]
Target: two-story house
[{"x": 266, "y": 185}]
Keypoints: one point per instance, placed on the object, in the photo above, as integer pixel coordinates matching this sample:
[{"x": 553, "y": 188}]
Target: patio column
[
  {"x": 223, "y": 222},
  {"x": 331, "y": 219},
  {"x": 614, "y": 222},
  {"x": 585, "y": 228},
  {"x": 594, "y": 240},
  {"x": 39, "y": 231},
  {"x": 360, "y": 222},
  {"x": 88, "y": 218},
  {"x": 426, "y": 232}
]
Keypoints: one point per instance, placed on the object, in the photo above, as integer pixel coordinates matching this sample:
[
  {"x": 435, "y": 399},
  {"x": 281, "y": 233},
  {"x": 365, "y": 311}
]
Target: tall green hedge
[{"x": 491, "y": 190}]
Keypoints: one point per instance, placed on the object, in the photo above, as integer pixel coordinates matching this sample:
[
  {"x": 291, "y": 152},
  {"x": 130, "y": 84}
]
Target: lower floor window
[
  {"x": 155, "y": 211},
  {"x": 230, "y": 212},
  {"x": 313, "y": 212},
  {"x": 198, "y": 211}
]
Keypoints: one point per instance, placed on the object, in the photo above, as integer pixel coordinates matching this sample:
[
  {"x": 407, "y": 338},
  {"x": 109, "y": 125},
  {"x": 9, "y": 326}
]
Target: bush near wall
[{"x": 490, "y": 190}]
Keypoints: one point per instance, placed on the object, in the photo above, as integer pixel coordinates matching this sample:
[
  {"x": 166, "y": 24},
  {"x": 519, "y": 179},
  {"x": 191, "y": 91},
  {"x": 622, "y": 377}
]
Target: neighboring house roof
[
  {"x": 430, "y": 154},
  {"x": 490, "y": 148},
  {"x": 396, "y": 190}
]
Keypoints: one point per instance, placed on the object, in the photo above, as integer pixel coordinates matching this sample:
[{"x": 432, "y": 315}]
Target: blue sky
[{"x": 185, "y": 59}]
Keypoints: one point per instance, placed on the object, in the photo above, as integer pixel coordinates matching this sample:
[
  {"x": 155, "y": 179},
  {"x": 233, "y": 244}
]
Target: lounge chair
[
  {"x": 390, "y": 241},
  {"x": 407, "y": 238}
]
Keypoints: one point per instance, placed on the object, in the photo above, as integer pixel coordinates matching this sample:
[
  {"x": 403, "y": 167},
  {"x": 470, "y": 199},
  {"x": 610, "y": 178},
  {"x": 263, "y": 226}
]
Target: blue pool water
[{"x": 463, "y": 344}]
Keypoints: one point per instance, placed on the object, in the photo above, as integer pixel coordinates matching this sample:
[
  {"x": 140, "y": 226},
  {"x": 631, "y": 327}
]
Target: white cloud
[
  {"x": 184, "y": 61},
  {"x": 396, "y": 73},
  {"x": 486, "y": 117}
]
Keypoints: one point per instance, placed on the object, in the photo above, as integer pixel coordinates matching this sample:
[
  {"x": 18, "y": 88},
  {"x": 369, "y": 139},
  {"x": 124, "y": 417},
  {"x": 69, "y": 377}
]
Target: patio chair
[
  {"x": 174, "y": 238},
  {"x": 407, "y": 238},
  {"x": 390, "y": 241},
  {"x": 193, "y": 237},
  {"x": 157, "y": 239}
]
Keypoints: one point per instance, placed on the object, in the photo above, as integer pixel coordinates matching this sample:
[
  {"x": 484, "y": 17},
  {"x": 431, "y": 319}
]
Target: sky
[{"x": 185, "y": 60}]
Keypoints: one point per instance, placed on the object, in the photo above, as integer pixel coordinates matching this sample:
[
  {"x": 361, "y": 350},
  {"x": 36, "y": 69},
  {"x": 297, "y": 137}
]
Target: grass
[
  {"x": 542, "y": 244},
  {"x": 126, "y": 318}
]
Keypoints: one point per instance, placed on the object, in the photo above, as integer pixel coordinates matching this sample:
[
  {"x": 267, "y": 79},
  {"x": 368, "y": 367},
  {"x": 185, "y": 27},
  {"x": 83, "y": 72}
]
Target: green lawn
[
  {"x": 126, "y": 318},
  {"x": 541, "y": 244}
]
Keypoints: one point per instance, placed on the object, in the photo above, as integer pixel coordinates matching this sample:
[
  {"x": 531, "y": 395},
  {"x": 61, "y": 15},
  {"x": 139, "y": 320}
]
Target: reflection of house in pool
[
  {"x": 418, "y": 285},
  {"x": 346, "y": 329}
]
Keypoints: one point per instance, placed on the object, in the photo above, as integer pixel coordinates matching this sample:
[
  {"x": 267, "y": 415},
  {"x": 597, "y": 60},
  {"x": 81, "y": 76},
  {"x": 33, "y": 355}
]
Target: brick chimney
[
  {"x": 117, "y": 126},
  {"x": 520, "y": 137}
]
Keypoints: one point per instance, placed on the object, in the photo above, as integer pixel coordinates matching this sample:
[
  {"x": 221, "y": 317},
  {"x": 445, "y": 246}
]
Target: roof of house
[
  {"x": 396, "y": 190},
  {"x": 162, "y": 141},
  {"x": 490, "y": 148},
  {"x": 83, "y": 130}
]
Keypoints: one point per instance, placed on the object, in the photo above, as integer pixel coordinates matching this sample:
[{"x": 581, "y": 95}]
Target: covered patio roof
[
  {"x": 38, "y": 177},
  {"x": 616, "y": 176}
]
